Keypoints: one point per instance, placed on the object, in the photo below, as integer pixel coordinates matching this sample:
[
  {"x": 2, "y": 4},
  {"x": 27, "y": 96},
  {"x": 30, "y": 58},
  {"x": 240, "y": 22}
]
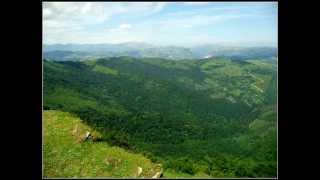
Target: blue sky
[{"x": 161, "y": 23}]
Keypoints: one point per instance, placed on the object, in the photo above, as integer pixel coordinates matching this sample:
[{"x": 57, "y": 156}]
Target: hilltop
[{"x": 66, "y": 154}]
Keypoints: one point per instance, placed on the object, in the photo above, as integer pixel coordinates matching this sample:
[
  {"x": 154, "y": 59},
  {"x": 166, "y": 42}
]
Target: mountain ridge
[{"x": 148, "y": 50}]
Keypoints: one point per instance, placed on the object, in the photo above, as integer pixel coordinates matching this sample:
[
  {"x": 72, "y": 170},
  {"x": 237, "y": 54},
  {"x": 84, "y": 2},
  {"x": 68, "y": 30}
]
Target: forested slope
[{"x": 212, "y": 116}]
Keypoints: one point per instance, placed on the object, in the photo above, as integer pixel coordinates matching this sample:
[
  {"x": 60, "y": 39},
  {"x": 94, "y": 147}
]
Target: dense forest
[{"x": 217, "y": 116}]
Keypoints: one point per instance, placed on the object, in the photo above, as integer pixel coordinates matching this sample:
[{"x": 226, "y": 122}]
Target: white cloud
[
  {"x": 189, "y": 21},
  {"x": 65, "y": 19},
  {"x": 159, "y": 6},
  {"x": 125, "y": 26},
  {"x": 120, "y": 28},
  {"x": 100, "y": 10},
  {"x": 196, "y": 3},
  {"x": 115, "y": 22},
  {"x": 47, "y": 12}
]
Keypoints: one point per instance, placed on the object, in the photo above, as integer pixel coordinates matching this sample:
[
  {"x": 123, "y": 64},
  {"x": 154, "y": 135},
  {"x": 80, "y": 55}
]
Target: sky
[{"x": 161, "y": 23}]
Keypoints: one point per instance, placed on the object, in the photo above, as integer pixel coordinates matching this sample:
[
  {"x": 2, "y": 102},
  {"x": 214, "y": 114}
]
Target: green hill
[
  {"x": 66, "y": 154},
  {"x": 210, "y": 117}
]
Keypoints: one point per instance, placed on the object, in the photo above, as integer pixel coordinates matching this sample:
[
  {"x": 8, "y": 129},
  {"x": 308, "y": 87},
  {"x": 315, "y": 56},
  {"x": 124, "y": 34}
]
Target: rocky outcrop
[
  {"x": 157, "y": 175},
  {"x": 159, "y": 171},
  {"x": 88, "y": 134},
  {"x": 84, "y": 138},
  {"x": 139, "y": 171}
]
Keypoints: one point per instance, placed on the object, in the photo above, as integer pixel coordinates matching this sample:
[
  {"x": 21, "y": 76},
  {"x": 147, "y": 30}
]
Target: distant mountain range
[{"x": 77, "y": 52}]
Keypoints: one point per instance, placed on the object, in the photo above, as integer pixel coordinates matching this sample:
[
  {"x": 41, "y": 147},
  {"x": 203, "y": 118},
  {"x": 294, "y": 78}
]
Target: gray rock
[{"x": 139, "y": 171}]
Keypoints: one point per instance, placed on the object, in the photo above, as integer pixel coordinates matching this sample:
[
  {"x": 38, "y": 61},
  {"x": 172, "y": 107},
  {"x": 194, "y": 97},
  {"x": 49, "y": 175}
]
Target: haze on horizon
[{"x": 161, "y": 23}]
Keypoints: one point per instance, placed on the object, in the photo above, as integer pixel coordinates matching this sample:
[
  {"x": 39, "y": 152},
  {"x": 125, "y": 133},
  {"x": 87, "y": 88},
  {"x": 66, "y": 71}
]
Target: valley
[{"x": 212, "y": 117}]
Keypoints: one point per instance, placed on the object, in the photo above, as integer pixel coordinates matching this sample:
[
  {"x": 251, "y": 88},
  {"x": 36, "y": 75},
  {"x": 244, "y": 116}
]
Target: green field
[{"x": 66, "y": 156}]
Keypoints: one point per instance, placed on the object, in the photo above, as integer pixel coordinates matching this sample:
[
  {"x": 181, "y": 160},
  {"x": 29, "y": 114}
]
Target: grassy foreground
[{"x": 67, "y": 155}]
